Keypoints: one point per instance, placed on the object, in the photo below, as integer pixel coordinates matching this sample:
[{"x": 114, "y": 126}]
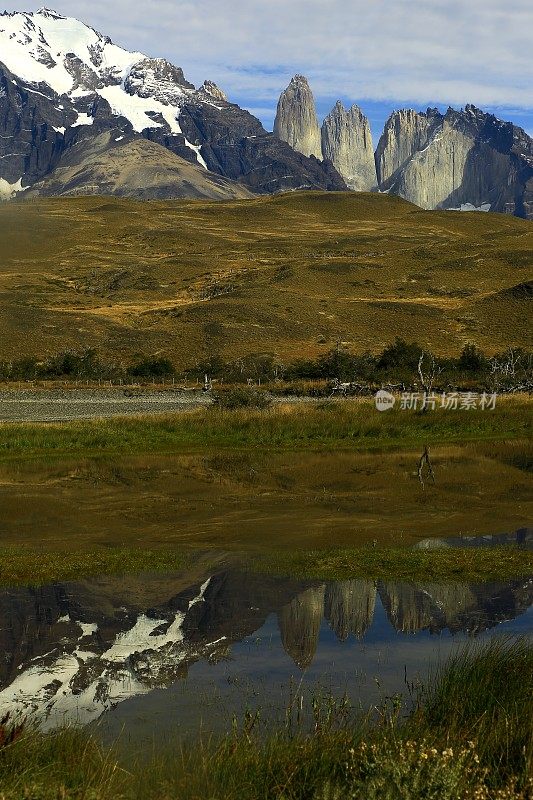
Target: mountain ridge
[
  {"x": 460, "y": 160},
  {"x": 63, "y": 84},
  {"x": 58, "y": 75}
]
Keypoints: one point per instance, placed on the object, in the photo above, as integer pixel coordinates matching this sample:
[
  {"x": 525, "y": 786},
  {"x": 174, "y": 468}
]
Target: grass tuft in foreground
[{"x": 470, "y": 737}]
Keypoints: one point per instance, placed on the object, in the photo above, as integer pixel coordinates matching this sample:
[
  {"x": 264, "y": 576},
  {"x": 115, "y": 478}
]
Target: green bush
[
  {"x": 152, "y": 368},
  {"x": 241, "y": 397},
  {"x": 471, "y": 359},
  {"x": 400, "y": 354}
]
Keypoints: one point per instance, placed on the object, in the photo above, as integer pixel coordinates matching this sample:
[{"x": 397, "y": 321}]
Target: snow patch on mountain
[
  {"x": 45, "y": 49},
  {"x": 9, "y": 190},
  {"x": 471, "y": 207},
  {"x": 137, "y": 109},
  {"x": 83, "y": 119},
  {"x": 64, "y": 690}
]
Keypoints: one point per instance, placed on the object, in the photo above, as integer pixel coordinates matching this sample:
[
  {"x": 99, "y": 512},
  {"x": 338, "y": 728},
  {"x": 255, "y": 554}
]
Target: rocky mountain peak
[
  {"x": 159, "y": 79},
  {"x": 347, "y": 142},
  {"x": 62, "y": 82},
  {"x": 212, "y": 90},
  {"x": 49, "y": 13},
  {"x": 460, "y": 159},
  {"x": 296, "y": 120}
]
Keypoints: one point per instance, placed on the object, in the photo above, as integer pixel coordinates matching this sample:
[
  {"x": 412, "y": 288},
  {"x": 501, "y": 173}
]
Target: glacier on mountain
[{"x": 76, "y": 61}]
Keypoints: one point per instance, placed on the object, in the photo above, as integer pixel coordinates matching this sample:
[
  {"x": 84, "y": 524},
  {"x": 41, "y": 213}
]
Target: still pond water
[{"x": 140, "y": 658}]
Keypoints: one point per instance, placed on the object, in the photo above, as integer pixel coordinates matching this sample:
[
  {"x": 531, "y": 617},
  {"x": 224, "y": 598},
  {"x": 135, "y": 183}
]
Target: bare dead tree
[
  {"x": 428, "y": 371},
  {"x": 339, "y": 388},
  {"x": 425, "y": 462},
  {"x": 511, "y": 370}
]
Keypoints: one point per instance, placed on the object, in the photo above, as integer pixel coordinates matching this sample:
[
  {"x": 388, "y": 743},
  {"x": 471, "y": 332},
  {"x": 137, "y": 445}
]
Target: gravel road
[
  {"x": 62, "y": 405},
  {"x": 58, "y": 405}
]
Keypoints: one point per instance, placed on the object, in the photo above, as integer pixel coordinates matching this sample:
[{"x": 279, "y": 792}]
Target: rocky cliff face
[
  {"x": 347, "y": 142},
  {"x": 349, "y": 607},
  {"x": 296, "y": 120},
  {"x": 405, "y": 133},
  {"x": 459, "y": 159}
]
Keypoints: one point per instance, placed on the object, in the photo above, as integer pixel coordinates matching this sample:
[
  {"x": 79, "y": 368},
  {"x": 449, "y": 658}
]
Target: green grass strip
[
  {"x": 354, "y": 425},
  {"x": 472, "y": 565},
  {"x": 24, "y": 567}
]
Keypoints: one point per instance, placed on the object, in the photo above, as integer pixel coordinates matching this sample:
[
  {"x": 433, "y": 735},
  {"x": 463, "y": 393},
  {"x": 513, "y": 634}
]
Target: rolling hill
[{"x": 289, "y": 274}]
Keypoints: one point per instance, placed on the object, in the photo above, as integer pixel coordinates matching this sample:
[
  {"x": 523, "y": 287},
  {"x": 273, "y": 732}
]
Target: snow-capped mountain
[{"x": 62, "y": 83}]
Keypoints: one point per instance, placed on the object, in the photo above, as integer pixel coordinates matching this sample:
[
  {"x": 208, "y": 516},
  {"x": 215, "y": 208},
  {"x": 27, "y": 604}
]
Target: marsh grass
[
  {"x": 486, "y": 694},
  {"x": 348, "y": 425},
  {"x": 28, "y": 567},
  {"x": 400, "y": 564},
  {"x": 469, "y": 737},
  {"x": 59, "y": 766}
]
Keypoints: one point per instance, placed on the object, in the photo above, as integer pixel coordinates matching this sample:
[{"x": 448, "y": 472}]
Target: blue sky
[{"x": 384, "y": 55}]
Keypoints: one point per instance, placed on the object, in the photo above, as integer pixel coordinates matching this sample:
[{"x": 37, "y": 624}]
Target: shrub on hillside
[
  {"x": 400, "y": 354},
  {"x": 471, "y": 359},
  {"x": 152, "y": 368}
]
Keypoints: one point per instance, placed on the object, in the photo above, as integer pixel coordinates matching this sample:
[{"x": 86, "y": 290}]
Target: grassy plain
[
  {"x": 27, "y": 566},
  {"x": 470, "y": 735},
  {"x": 350, "y": 424},
  {"x": 288, "y": 275},
  {"x": 454, "y": 564}
]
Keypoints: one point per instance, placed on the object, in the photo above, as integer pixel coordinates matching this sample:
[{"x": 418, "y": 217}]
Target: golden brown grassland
[{"x": 289, "y": 275}]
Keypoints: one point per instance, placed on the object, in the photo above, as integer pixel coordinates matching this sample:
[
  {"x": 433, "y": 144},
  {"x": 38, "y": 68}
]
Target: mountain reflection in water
[{"x": 71, "y": 652}]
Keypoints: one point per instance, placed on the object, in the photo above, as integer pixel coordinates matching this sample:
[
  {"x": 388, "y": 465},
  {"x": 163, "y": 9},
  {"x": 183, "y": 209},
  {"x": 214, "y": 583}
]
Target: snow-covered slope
[
  {"x": 58, "y": 75},
  {"x": 75, "y": 61},
  {"x": 42, "y": 47}
]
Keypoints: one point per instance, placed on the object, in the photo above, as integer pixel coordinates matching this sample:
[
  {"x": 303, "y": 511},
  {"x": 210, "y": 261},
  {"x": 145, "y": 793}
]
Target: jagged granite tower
[
  {"x": 347, "y": 142},
  {"x": 460, "y": 159},
  {"x": 296, "y": 120}
]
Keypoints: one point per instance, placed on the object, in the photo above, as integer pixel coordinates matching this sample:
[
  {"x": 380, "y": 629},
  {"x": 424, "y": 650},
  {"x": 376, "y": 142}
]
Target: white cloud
[{"x": 416, "y": 51}]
